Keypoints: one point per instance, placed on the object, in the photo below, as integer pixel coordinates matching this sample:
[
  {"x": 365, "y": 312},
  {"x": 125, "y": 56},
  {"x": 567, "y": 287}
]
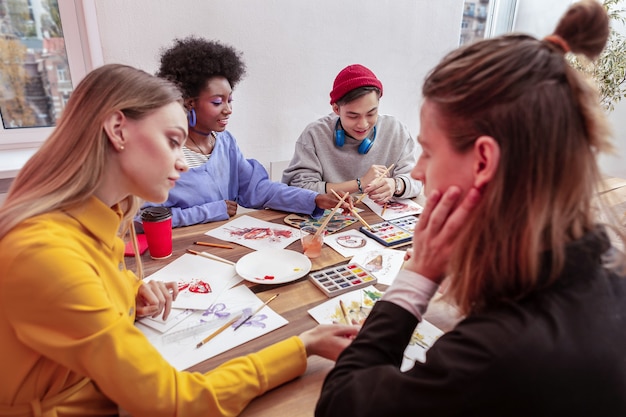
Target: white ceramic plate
[{"x": 273, "y": 266}]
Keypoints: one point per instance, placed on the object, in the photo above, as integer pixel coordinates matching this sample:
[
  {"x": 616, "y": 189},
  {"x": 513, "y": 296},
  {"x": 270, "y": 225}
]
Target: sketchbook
[{"x": 356, "y": 307}]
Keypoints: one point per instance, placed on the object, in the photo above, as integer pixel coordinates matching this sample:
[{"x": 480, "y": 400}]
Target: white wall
[
  {"x": 539, "y": 18},
  {"x": 293, "y": 50}
]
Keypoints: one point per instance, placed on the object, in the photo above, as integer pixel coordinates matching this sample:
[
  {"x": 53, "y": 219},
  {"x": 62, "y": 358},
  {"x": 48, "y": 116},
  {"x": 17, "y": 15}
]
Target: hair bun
[{"x": 584, "y": 28}]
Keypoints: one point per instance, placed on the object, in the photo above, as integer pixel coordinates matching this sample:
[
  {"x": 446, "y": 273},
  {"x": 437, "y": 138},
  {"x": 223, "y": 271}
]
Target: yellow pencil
[
  {"x": 255, "y": 312},
  {"x": 218, "y": 331}
]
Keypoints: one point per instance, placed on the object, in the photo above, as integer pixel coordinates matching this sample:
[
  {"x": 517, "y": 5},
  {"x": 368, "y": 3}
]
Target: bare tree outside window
[{"x": 34, "y": 71}]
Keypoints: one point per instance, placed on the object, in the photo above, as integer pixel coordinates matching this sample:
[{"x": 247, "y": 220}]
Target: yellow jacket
[{"x": 67, "y": 308}]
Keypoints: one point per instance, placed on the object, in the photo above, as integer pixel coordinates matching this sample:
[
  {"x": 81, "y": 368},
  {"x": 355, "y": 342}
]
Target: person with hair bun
[
  {"x": 220, "y": 178},
  {"x": 510, "y": 135},
  {"x": 69, "y": 345}
]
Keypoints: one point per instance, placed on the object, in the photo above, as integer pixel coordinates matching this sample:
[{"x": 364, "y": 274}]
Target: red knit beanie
[{"x": 351, "y": 77}]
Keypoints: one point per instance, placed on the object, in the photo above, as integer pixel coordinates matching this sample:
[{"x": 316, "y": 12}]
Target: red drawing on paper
[
  {"x": 258, "y": 233},
  {"x": 196, "y": 286}
]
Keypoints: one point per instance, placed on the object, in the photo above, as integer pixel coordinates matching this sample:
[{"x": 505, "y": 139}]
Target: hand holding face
[
  {"x": 154, "y": 297},
  {"x": 437, "y": 229},
  {"x": 328, "y": 340}
]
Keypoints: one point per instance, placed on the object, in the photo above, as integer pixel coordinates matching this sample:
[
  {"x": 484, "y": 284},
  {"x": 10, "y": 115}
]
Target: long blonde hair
[
  {"x": 550, "y": 127},
  {"x": 69, "y": 166}
]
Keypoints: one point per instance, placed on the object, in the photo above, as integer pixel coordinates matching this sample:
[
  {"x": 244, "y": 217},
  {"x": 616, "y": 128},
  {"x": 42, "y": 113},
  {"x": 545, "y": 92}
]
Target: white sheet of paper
[
  {"x": 383, "y": 263},
  {"x": 397, "y": 207},
  {"x": 256, "y": 234},
  {"x": 183, "y": 353},
  {"x": 194, "y": 269},
  {"x": 176, "y": 316},
  {"x": 358, "y": 304},
  {"x": 351, "y": 243}
]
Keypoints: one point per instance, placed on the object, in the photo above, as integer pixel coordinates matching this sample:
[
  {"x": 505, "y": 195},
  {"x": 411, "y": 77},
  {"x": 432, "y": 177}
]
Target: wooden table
[
  {"x": 298, "y": 397},
  {"x": 184, "y": 238}
]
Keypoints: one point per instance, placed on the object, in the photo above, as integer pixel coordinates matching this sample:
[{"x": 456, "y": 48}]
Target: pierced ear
[
  {"x": 113, "y": 126},
  {"x": 487, "y": 160},
  {"x": 188, "y": 104}
]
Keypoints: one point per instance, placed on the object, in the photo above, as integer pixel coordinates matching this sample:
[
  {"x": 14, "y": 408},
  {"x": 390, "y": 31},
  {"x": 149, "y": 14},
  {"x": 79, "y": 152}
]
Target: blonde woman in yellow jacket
[{"x": 67, "y": 302}]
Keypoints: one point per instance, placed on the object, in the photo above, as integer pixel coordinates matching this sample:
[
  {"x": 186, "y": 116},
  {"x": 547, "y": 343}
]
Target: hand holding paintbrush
[
  {"x": 380, "y": 176},
  {"x": 332, "y": 213},
  {"x": 354, "y": 212}
]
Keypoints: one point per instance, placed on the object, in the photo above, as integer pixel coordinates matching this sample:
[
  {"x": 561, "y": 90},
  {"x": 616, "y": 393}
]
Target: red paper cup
[{"x": 157, "y": 225}]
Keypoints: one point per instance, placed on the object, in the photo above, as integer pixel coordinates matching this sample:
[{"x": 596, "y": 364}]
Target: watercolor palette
[
  {"x": 336, "y": 223},
  {"x": 396, "y": 232},
  {"x": 407, "y": 223},
  {"x": 343, "y": 278}
]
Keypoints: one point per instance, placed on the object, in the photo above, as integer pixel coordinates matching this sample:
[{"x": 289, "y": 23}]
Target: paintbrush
[
  {"x": 332, "y": 213},
  {"x": 353, "y": 211},
  {"x": 343, "y": 312},
  {"x": 209, "y": 256},
  {"x": 213, "y": 245},
  {"x": 378, "y": 178}
]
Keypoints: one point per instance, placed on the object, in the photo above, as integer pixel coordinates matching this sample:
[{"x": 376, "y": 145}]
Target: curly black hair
[{"x": 192, "y": 61}]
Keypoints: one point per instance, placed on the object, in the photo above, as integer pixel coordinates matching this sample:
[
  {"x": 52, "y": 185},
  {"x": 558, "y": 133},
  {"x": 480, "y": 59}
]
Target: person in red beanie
[{"x": 352, "y": 146}]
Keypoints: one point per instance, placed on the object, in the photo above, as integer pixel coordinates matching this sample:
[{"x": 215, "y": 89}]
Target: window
[
  {"x": 486, "y": 18},
  {"x": 31, "y": 44},
  {"x": 48, "y": 49}
]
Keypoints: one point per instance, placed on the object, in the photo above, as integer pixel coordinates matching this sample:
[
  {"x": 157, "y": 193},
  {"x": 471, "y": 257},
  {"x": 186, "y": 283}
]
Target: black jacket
[{"x": 558, "y": 352}]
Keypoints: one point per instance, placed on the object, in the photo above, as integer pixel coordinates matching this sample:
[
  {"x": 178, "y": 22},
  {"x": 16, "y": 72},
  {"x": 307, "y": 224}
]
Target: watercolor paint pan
[
  {"x": 390, "y": 234},
  {"x": 406, "y": 223},
  {"x": 342, "y": 278}
]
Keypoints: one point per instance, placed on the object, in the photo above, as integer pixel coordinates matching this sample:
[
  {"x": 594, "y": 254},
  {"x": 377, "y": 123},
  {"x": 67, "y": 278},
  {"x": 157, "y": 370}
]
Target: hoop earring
[{"x": 191, "y": 117}]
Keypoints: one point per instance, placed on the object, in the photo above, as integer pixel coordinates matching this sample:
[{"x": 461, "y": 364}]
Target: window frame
[
  {"x": 502, "y": 15},
  {"x": 84, "y": 52}
]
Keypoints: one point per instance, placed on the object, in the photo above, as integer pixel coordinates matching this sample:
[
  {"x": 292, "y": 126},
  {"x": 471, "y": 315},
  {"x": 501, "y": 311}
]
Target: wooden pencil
[
  {"x": 218, "y": 331},
  {"x": 255, "y": 312},
  {"x": 213, "y": 245}
]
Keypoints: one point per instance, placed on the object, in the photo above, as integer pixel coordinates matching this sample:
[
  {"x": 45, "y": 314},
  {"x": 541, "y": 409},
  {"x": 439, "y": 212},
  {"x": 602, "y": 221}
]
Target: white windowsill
[{"x": 12, "y": 160}]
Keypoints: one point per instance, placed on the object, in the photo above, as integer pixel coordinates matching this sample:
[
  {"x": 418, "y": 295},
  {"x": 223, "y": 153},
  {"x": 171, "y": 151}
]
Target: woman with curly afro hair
[{"x": 220, "y": 177}]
